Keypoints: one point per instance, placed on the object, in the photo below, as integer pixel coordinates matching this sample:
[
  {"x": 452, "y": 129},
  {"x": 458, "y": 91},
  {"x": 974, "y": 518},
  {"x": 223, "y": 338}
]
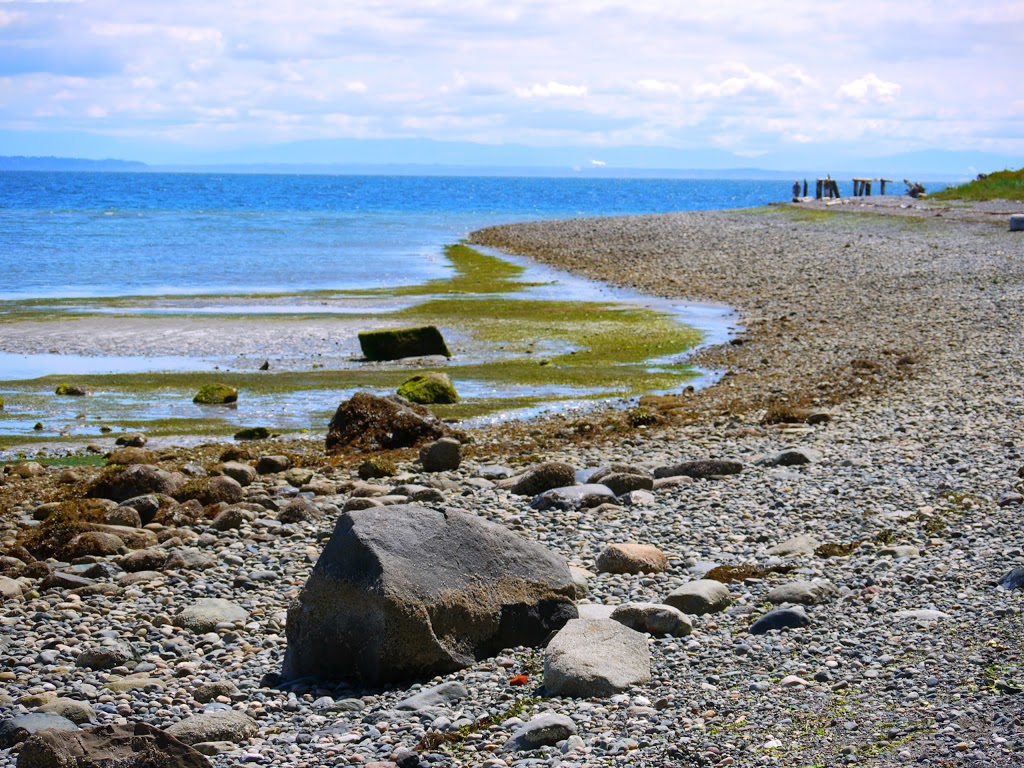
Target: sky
[{"x": 727, "y": 81}]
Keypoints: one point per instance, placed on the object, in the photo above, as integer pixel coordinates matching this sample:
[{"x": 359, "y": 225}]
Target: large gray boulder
[
  {"x": 404, "y": 592},
  {"x": 218, "y": 725},
  {"x": 595, "y": 657},
  {"x": 123, "y": 483}
]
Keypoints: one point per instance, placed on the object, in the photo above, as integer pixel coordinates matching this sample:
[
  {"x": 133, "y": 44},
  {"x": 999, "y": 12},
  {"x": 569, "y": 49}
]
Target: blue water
[{"x": 76, "y": 234}]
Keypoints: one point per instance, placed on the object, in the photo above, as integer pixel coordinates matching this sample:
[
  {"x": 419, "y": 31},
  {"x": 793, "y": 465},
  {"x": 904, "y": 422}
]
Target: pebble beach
[{"x": 870, "y": 402}]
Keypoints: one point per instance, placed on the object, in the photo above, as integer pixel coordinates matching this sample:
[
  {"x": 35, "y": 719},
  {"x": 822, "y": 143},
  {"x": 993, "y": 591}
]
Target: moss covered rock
[
  {"x": 215, "y": 394},
  {"x": 396, "y": 343},
  {"x": 1, "y": 403},
  {"x": 72, "y": 390},
  {"x": 429, "y": 389},
  {"x": 252, "y": 433}
]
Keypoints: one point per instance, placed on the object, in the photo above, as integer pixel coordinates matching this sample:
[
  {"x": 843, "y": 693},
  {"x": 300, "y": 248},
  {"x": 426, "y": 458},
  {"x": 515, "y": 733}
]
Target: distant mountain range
[{"x": 67, "y": 164}]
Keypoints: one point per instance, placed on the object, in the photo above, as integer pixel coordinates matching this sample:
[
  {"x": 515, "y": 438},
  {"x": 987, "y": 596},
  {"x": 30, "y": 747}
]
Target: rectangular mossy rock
[{"x": 396, "y": 343}]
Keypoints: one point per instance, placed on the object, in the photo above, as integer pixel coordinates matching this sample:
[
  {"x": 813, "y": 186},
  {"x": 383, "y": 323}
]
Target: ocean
[{"x": 84, "y": 234}]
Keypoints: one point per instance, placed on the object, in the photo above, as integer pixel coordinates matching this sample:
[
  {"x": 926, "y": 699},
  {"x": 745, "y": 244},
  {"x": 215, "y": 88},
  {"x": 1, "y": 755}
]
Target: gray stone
[
  {"x": 243, "y": 474},
  {"x": 206, "y": 613},
  {"x": 699, "y": 597},
  {"x": 270, "y": 465},
  {"x": 1013, "y": 580},
  {"x": 900, "y": 551},
  {"x": 219, "y": 725},
  {"x": 574, "y": 497},
  {"x": 444, "y": 455},
  {"x": 803, "y": 592},
  {"x": 595, "y": 658},
  {"x": 298, "y": 510},
  {"x": 798, "y": 546},
  {"x": 595, "y": 611},
  {"x": 124, "y": 515},
  {"x": 128, "y": 482},
  {"x": 921, "y": 614},
  {"x": 407, "y": 592},
  {"x": 790, "y": 457},
  {"x": 112, "y": 653},
  {"x": 79, "y": 712},
  {"x": 190, "y": 559},
  {"x": 1017, "y": 222},
  {"x": 545, "y": 730},
  {"x": 15, "y": 730},
  {"x": 780, "y": 618},
  {"x": 438, "y": 696},
  {"x": 207, "y": 692},
  {"x": 653, "y": 618},
  {"x": 10, "y": 589}
]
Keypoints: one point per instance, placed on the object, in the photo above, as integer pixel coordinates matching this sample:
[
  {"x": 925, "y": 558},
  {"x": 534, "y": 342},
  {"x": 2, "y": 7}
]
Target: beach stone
[
  {"x": 580, "y": 579},
  {"x": 132, "y": 440},
  {"x": 545, "y": 730},
  {"x": 437, "y": 696},
  {"x": 798, "y": 546},
  {"x": 544, "y": 477},
  {"x": 298, "y": 510},
  {"x": 78, "y": 712},
  {"x": 616, "y": 468},
  {"x": 701, "y": 468},
  {"x": 631, "y": 558},
  {"x": 252, "y": 433},
  {"x": 653, "y": 618},
  {"x": 396, "y": 343},
  {"x": 444, "y": 455},
  {"x": 134, "y": 683},
  {"x": 921, "y": 614},
  {"x": 228, "y": 519},
  {"x": 595, "y": 610},
  {"x": 790, "y": 457},
  {"x": 110, "y": 654},
  {"x": 124, "y": 515},
  {"x": 130, "y": 455},
  {"x": 10, "y": 589},
  {"x": 95, "y": 543},
  {"x": 780, "y": 618},
  {"x": 375, "y": 423},
  {"x": 299, "y": 476},
  {"x": 1017, "y": 222},
  {"x": 214, "y": 748},
  {"x": 215, "y": 394},
  {"x": 133, "y": 538},
  {"x": 699, "y": 597},
  {"x": 17, "y": 729},
  {"x": 211, "y": 490},
  {"x": 219, "y": 725},
  {"x": 190, "y": 559},
  {"x": 271, "y": 465},
  {"x": 147, "y": 506},
  {"x": 900, "y": 551},
  {"x": 132, "y": 745},
  {"x": 121, "y": 484},
  {"x": 802, "y": 592},
  {"x": 72, "y": 390},
  {"x": 143, "y": 560},
  {"x": 207, "y": 692},
  {"x": 406, "y": 592},
  {"x": 64, "y": 580},
  {"x": 1014, "y": 579},
  {"x": 206, "y": 613},
  {"x": 28, "y": 469},
  {"x": 592, "y": 658},
  {"x": 429, "y": 388},
  {"x": 574, "y": 497},
  {"x": 180, "y": 515},
  {"x": 360, "y": 502},
  {"x": 243, "y": 474},
  {"x": 621, "y": 483}
]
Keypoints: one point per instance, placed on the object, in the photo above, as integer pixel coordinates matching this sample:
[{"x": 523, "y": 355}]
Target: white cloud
[
  {"x": 746, "y": 81},
  {"x": 550, "y": 89},
  {"x": 870, "y": 88},
  {"x": 658, "y": 86}
]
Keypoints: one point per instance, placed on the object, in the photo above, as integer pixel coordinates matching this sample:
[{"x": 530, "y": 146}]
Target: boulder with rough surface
[
  {"x": 595, "y": 657},
  {"x": 404, "y": 592},
  {"x": 132, "y": 745},
  {"x": 429, "y": 388},
  {"x": 123, "y": 483},
  {"x": 701, "y": 468},
  {"x": 371, "y": 422},
  {"x": 544, "y": 477}
]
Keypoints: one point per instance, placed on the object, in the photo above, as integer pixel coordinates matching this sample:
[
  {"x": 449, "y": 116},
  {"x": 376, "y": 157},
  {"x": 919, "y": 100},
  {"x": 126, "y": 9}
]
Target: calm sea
[{"x": 81, "y": 234}]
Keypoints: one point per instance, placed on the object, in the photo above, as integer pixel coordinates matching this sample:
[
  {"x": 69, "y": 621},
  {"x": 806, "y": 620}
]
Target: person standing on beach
[{"x": 796, "y": 189}]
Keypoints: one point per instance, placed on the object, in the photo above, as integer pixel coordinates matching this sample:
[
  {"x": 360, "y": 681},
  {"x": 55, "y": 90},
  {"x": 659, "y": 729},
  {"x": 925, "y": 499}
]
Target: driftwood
[{"x": 915, "y": 189}]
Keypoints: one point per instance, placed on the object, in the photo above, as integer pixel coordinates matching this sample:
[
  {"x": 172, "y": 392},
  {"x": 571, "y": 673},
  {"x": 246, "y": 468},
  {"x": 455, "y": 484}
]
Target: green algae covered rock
[
  {"x": 252, "y": 433},
  {"x": 396, "y": 343},
  {"x": 215, "y": 394},
  {"x": 1, "y": 403},
  {"x": 429, "y": 389},
  {"x": 72, "y": 390}
]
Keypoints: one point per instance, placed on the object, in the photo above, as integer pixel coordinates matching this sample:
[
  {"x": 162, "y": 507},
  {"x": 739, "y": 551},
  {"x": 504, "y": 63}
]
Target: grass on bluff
[{"x": 1004, "y": 185}]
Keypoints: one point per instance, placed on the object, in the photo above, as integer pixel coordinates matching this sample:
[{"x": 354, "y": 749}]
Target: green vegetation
[
  {"x": 1003, "y": 185},
  {"x": 252, "y": 433},
  {"x": 429, "y": 388},
  {"x": 215, "y": 394}
]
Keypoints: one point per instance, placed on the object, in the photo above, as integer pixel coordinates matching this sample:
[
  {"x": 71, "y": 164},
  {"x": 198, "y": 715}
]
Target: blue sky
[{"x": 761, "y": 82}]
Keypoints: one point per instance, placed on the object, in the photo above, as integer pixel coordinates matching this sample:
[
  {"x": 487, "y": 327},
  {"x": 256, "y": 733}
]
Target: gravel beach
[{"x": 869, "y": 431}]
